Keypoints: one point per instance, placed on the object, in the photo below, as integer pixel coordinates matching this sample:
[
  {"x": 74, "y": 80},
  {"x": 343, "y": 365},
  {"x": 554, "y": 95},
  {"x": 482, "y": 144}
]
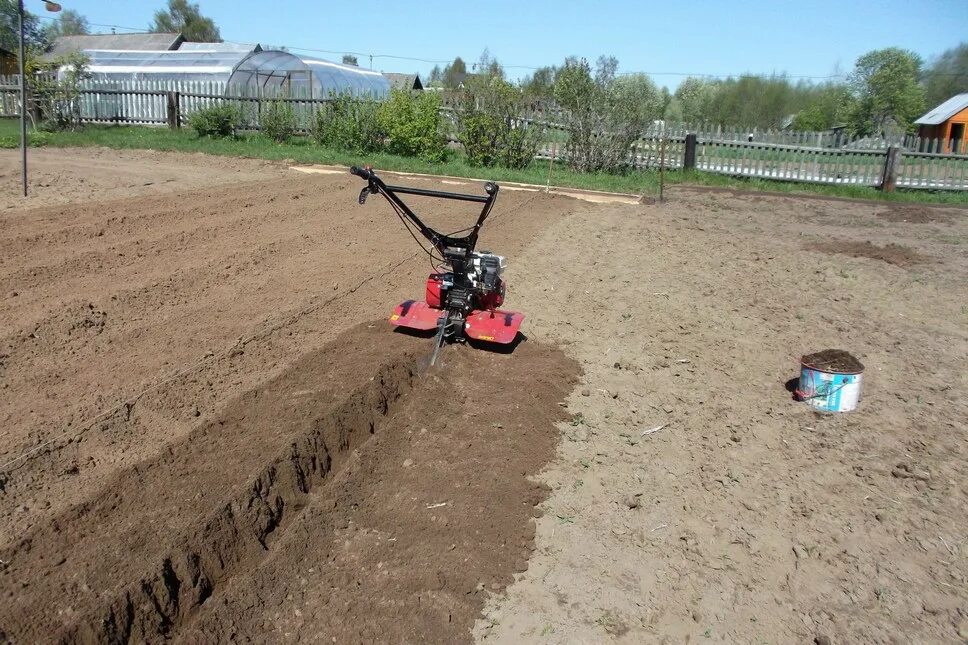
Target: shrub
[
  {"x": 604, "y": 115},
  {"x": 56, "y": 87},
  {"x": 278, "y": 121},
  {"x": 215, "y": 121},
  {"x": 348, "y": 124},
  {"x": 412, "y": 125},
  {"x": 490, "y": 126}
]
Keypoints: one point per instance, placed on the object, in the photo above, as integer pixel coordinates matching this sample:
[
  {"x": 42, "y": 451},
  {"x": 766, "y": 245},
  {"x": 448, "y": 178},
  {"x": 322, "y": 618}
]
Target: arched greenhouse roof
[
  {"x": 305, "y": 76},
  {"x": 248, "y": 70}
]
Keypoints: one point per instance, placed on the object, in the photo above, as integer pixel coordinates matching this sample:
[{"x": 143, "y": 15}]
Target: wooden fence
[{"x": 810, "y": 158}]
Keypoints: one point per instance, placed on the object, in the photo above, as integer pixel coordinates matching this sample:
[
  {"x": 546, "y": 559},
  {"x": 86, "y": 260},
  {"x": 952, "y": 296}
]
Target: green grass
[{"x": 302, "y": 150}]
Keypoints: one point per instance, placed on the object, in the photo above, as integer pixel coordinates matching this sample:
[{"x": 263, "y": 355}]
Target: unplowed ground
[{"x": 208, "y": 433}]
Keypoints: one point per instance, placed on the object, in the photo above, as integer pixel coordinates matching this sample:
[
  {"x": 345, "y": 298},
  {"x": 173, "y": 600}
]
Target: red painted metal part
[
  {"x": 493, "y": 326},
  {"x": 416, "y": 315},
  {"x": 433, "y": 289}
]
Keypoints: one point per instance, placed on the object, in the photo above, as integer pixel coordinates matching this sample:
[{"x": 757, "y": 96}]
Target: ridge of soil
[{"x": 178, "y": 540}]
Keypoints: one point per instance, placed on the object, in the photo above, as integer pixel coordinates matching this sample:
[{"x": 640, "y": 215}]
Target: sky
[{"x": 668, "y": 40}]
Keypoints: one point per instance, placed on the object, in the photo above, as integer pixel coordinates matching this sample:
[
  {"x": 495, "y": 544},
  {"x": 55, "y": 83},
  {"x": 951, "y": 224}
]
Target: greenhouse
[{"x": 240, "y": 70}]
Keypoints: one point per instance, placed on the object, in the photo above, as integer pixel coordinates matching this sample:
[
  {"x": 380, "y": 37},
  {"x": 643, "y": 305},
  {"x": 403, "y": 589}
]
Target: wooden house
[{"x": 947, "y": 123}]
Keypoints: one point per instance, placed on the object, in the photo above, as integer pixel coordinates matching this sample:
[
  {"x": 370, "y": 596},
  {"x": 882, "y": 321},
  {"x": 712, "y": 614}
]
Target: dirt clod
[{"x": 890, "y": 253}]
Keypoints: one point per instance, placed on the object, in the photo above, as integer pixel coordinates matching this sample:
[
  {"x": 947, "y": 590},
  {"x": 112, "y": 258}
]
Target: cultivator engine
[{"x": 466, "y": 287}]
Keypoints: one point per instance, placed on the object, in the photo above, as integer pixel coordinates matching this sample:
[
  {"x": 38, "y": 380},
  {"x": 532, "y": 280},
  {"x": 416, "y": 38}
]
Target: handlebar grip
[{"x": 362, "y": 173}]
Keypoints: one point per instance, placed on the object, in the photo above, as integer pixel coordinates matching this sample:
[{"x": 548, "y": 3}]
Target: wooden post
[
  {"x": 661, "y": 168},
  {"x": 889, "y": 175},
  {"x": 689, "y": 159},
  {"x": 174, "y": 110},
  {"x": 551, "y": 163}
]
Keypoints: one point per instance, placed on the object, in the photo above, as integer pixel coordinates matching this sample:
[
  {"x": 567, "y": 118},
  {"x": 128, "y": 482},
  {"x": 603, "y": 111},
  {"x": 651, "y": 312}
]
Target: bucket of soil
[{"x": 830, "y": 380}]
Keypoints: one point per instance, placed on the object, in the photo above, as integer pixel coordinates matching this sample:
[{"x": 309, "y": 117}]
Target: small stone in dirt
[
  {"x": 335, "y": 286},
  {"x": 586, "y": 392},
  {"x": 520, "y": 566},
  {"x": 668, "y": 409},
  {"x": 196, "y": 412},
  {"x": 14, "y": 294},
  {"x": 407, "y": 463},
  {"x": 632, "y": 501},
  {"x": 880, "y": 516},
  {"x": 822, "y": 639}
]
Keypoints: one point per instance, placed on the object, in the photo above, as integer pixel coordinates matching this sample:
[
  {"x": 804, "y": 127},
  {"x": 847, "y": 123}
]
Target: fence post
[
  {"x": 889, "y": 175},
  {"x": 689, "y": 159},
  {"x": 174, "y": 110}
]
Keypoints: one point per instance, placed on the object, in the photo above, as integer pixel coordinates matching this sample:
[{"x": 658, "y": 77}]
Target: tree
[
  {"x": 886, "y": 90},
  {"x": 186, "y": 18},
  {"x": 453, "y": 72},
  {"x": 70, "y": 23},
  {"x": 947, "y": 76},
  {"x": 541, "y": 84},
  {"x": 487, "y": 65},
  {"x": 694, "y": 97},
  {"x": 349, "y": 59},
  {"x": 830, "y": 105},
  {"x": 436, "y": 77},
  {"x": 604, "y": 114},
  {"x": 10, "y": 28}
]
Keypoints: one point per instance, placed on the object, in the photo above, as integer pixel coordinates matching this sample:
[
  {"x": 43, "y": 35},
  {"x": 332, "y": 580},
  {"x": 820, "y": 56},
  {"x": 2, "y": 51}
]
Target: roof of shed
[
  {"x": 404, "y": 81},
  {"x": 128, "y": 42},
  {"x": 945, "y": 111}
]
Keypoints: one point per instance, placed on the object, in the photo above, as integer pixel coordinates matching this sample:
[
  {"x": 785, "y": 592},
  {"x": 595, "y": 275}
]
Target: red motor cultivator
[{"x": 467, "y": 286}]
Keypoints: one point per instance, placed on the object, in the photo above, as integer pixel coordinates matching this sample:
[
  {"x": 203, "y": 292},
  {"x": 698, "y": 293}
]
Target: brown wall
[{"x": 8, "y": 64}]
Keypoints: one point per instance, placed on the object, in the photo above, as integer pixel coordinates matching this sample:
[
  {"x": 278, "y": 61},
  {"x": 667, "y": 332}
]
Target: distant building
[
  {"x": 948, "y": 123},
  {"x": 404, "y": 81},
  {"x": 8, "y": 63},
  {"x": 115, "y": 42}
]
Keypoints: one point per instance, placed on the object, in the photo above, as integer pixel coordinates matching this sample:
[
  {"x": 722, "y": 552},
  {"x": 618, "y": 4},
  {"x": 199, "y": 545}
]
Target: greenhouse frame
[{"x": 237, "y": 70}]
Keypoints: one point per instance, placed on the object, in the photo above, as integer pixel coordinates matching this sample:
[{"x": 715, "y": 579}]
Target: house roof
[
  {"x": 945, "y": 111},
  {"x": 404, "y": 81},
  {"x": 125, "y": 42}
]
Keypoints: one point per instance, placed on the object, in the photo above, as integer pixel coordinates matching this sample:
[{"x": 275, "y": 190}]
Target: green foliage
[
  {"x": 947, "y": 76},
  {"x": 278, "y": 120},
  {"x": 56, "y": 89},
  {"x": 541, "y": 84},
  {"x": 886, "y": 91},
  {"x": 35, "y": 139},
  {"x": 694, "y": 97},
  {"x": 412, "y": 125},
  {"x": 830, "y": 106},
  {"x": 348, "y": 124},
  {"x": 216, "y": 121},
  {"x": 450, "y": 77},
  {"x": 10, "y": 28},
  {"x": 186, "y": 18},
  {"x": 604, "y": 115},
  {"x": 68, "y": 23},
  {"x": 349, "y": 59},
  {"x": 490, "y": 126}
]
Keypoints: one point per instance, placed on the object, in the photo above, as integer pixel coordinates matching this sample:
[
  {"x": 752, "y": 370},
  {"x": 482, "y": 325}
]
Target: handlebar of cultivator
[{"x": 391, "y": 193}]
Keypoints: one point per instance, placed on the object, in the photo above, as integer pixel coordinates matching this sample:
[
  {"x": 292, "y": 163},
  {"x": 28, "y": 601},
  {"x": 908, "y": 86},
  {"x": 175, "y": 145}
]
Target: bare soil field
[{"x": 208, "y": 432}]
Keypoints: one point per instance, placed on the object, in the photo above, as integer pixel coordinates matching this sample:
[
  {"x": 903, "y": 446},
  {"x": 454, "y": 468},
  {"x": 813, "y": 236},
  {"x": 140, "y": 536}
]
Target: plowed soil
[{"x": 209, "y": 433}]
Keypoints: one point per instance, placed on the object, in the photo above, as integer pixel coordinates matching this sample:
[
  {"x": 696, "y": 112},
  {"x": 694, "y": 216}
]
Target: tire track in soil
[{"x": 176, "y": 547}]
